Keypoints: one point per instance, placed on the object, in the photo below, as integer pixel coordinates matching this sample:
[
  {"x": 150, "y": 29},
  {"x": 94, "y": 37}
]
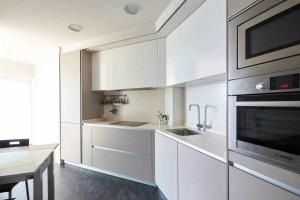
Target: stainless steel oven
[
  {"x": 264, "y": 39},
  {"x": 264, "y": 118}
]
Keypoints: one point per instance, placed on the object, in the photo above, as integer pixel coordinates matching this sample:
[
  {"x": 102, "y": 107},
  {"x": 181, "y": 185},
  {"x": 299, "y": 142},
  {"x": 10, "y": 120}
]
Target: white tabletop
[{"x": 23, "y": 160}]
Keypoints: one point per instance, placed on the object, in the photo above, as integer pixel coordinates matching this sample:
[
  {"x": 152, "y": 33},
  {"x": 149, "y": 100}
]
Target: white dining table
[{"x": 23, "y": 163}]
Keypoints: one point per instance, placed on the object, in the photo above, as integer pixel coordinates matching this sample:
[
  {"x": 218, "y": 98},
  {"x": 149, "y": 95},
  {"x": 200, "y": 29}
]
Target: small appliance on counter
[{"x": 162, "y": 118}]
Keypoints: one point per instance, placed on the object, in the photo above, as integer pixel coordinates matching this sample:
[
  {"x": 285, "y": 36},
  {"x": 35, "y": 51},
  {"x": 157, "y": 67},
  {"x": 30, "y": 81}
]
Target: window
[{"x": 15, "y": 107}]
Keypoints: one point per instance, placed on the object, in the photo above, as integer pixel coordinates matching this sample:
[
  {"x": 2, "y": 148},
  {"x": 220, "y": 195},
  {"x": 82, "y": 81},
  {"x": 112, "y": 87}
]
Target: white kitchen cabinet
[
  {"x": 71, "y": 143},
  {"x": 70, "y": 87},
  {"x": 87, "y": 145},
  {"x": 128, "y": 67},
  {"x": 78, "y": 102},
  {"x": 103, "y": 76},
  {"x": 124, "y": 152},
  {"x": 70, "y": 82},
  {"x": 274, "y": 172},
  {"x": 248, "y": 187},
  {"x": 166, "y": 166},
  {"x": 126, "y": 165},
  {"x": 200, "y": 177},
  {"x": 126, "y": 140},
  {"x": 197, "y": 48},
  {"x": 235, "y": 6}
]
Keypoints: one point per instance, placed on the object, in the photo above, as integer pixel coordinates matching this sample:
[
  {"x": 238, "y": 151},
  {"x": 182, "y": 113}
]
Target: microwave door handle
[{"x": 269, "y": 103}]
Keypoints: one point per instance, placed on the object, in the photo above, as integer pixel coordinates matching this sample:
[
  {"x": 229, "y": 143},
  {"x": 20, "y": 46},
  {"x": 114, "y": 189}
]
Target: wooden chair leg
[{"x": 27, "y": 190}]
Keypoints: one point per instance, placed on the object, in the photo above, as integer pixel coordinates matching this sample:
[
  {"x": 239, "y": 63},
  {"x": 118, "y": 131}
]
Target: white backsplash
[
  {"x": 213, "y": 94},
  {"x": 143, "y": 106}
]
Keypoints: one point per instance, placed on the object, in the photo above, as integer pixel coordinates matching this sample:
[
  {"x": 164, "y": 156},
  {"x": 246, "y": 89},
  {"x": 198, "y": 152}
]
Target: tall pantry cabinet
[{"x": 77, "y": 102}]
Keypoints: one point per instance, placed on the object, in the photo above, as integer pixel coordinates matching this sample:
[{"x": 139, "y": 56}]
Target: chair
[{"x": 8, "y": 187}]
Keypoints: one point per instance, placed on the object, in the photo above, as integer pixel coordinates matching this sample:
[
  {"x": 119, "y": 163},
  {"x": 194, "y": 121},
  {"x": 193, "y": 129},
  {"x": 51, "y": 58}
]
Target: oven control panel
[
  {"x": 286, "y": 81},
  {"x": 290, "y": 81}
]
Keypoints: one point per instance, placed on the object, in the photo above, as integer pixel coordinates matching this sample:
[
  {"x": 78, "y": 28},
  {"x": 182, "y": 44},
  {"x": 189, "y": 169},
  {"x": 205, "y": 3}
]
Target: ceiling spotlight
[
  {"x": 75, "y": 27},
  {"x": 132, "y": 8}
]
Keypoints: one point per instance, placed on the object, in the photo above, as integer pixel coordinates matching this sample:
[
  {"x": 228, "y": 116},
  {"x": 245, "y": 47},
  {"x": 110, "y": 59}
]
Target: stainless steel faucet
[
  {"x": 199, "y": 125},
  {"x": 205, "y": 125}
]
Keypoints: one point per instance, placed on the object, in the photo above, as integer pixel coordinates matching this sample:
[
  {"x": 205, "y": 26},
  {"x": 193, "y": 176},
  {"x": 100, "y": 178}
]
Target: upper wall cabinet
[
  {"x": 70, "y": 87},
  {"x": 139, "y": 65},
  {"x": 197, "y": 48}
]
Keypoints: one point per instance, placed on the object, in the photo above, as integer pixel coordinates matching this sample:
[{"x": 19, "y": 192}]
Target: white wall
[
  {"x": 174, "y": 105},
  {"x": 143, "y": 106},
  {"x": 15, "y": 102},
  {"x": 207, "y": 94},
  {"x": 46, "y": 102},
  {"x": 16, "y": 69},
  {"x": 43, "y": 80}
]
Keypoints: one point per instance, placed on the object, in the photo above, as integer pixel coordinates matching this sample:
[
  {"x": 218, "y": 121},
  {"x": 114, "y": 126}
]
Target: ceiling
[{"x": 29, "y": 29}]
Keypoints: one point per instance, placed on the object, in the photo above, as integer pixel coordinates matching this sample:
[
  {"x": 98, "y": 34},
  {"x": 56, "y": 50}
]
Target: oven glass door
[
  {"x": 272, "y": 127},
  {"x": 272, "y": 35}
]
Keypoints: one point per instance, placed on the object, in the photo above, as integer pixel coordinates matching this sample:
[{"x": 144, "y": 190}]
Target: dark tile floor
[{"x": 72, "y": 183}]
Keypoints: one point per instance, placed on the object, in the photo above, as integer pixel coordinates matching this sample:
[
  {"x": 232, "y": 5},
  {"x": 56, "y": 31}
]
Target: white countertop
[{"x": 209, "y": 143}]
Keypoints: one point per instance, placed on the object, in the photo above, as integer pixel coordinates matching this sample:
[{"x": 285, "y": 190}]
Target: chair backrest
[{"x": 14, "y": 143}]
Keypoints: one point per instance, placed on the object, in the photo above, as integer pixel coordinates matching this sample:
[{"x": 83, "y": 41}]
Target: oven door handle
[{"x": 269, "y": 103}]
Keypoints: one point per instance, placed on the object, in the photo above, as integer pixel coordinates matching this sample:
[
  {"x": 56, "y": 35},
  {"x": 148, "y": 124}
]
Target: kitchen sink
[
  {"x": 128, "y": 123},
  {"x": 183, "y": 131}
]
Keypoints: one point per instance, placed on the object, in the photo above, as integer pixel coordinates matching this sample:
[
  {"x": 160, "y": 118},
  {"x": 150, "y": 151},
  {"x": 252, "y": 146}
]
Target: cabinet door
[
  {"x": 136, "y": 65},
  {"x": 199, "y": 176},
  {"x": 128, "y": 67},
  {"x": 70, "y": 143},
  {"x": 102, "y": 70},
  {"x": 166, "y": 165},
  {"x": 107, "y": 70},
  {"x": 247, "y": 187},
  {"x": 122, "y": 163},
  {"x": 144, "y": 73},
  {"x": 87, "y": 145},
  {"x": 70, "y": 87},
  {"x": 197, "y": 48},
  {"x": 126, "y": 140}
]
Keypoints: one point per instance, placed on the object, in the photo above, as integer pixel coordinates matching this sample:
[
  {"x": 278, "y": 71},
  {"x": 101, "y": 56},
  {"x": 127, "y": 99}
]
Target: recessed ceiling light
[
  {"x": 132, "y": 8},
  {"x": 75, "y": 27}
]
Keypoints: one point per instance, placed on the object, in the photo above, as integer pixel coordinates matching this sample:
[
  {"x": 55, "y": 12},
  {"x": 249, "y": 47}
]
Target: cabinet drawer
[
  {"x": 247, "y": 187},
  {"x": 128, "y": 140},
  {"x": 135, "y": 166}
]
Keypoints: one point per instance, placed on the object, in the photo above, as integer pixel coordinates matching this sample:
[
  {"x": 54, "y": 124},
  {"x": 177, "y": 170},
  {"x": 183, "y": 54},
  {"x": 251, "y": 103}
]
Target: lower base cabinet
[
  {"x": 70, "y": 143},
  {"x": 166, "y": 166},
  {"x": 248, "y": 187},
  {"x": 125, "y": 164},
  {"x": 87, "y": 145},
  {"x": 182, "y": 173},
  {"x": 200, "y": 177},
  {"x": 122, "y": 152}
]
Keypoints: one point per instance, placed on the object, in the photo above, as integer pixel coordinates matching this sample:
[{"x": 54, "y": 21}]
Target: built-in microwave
[
  {"x": 264, "y": 39},
  {"x": 264, "y": 118}
]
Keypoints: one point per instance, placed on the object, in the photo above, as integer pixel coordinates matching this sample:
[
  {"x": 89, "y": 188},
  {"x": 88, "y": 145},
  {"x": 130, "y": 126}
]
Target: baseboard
[{"x": 112, "y": 174}]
